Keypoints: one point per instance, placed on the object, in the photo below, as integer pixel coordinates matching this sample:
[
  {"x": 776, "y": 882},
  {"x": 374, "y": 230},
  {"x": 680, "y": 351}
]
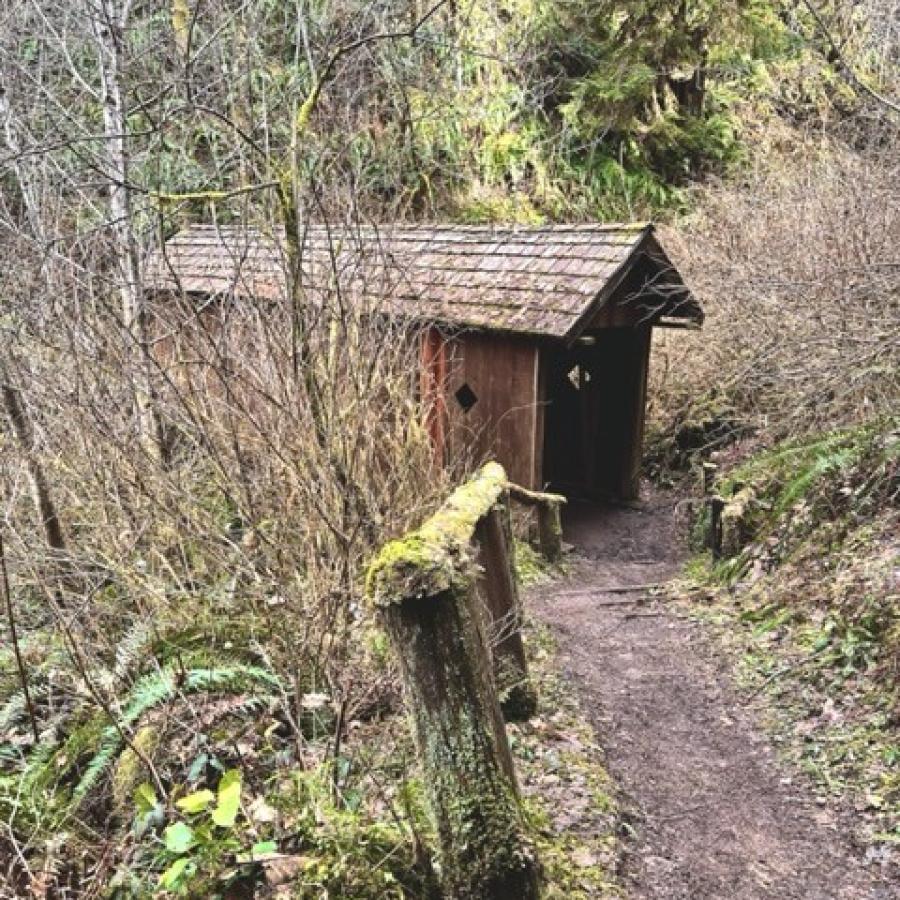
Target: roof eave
[
  {"x": 688, "y": 309},
  {"x": 612, "y": 285}
]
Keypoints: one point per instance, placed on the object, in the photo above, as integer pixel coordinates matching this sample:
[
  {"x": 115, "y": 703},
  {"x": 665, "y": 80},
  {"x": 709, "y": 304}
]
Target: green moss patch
[{"x": 435, "y": 558}]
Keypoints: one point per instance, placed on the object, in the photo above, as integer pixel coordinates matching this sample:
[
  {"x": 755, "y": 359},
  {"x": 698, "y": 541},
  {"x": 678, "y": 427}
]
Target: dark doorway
[{"x": 594, "y": 414}]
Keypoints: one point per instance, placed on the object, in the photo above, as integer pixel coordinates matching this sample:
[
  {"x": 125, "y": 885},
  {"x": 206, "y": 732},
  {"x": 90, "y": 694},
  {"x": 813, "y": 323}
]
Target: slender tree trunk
[
  {"x": 109, "y": 32},
  {"x": 40, "y": 489}
]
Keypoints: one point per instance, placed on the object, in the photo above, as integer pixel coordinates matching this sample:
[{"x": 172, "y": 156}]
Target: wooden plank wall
[{"x": 504, "y": 423}]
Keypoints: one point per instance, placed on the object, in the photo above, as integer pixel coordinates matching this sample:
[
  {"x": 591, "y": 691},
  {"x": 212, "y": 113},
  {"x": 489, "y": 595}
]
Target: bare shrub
[
  {"x": 234, "y": 566},
  {"x": 798, "y": 270}
]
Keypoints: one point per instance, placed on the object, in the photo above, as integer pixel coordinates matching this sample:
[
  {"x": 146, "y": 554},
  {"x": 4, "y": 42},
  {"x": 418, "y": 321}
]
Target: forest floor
[{"x": 711, "y": 810}]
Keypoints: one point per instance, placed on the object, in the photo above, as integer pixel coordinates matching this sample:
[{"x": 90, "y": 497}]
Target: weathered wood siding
[{"x": 503, "y": 423}]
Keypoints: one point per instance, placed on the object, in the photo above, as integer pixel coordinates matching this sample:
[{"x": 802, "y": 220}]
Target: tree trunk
[
  {"x": 462, "y": 744},
  {"x": 40, "y": 489},
  {"x": 109, "y": 31}
]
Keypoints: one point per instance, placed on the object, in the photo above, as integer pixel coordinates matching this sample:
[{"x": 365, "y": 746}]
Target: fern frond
[
  {"x": 152, "y": 690},
  {"x": 131, "y": 649},
  {"x": 13, "y": 710}
]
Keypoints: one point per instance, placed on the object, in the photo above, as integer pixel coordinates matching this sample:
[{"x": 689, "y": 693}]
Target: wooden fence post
[
  {"x": 714, "y": 537},
  {"x": 423, "y": 587},
  {"x": 548, "y": 519},
  {"x": 497, "y": 584},
  {"x": 550, "y": 531}
]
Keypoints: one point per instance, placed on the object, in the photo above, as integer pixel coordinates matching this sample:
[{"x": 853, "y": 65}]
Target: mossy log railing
[{"x": 438, "y": 590}]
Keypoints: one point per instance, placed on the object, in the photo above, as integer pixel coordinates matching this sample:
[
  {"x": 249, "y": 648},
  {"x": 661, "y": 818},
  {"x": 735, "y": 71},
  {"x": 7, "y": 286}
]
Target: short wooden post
[
  {"x": 714, "y": 536},
  {"x": 548, "y": 519},
  {"x": 550, "y": 531},
  {"x": 497, "y": 584},
  {"x": 709, "y": 471},
  {"x": 423, "y": 587}
]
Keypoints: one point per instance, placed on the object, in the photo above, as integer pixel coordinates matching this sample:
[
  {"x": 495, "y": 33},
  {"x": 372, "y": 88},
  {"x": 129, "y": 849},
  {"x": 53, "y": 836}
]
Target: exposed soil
[{"x": 713, "y": 813}]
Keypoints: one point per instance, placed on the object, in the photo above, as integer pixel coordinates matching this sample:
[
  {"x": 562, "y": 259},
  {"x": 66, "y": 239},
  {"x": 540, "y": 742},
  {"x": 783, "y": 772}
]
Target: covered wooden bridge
[{"x": 535, "y": 341}]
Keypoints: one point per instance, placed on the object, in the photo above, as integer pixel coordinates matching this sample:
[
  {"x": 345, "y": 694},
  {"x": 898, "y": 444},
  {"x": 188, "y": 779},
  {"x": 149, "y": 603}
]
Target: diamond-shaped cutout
[
  {"x": 466, "y": 398},
  {"x": 575, "y": 377}
]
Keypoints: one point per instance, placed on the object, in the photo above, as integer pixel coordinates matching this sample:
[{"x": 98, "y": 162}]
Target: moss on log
[
  {"x": 436, "y": 557},
  {"x": 462, "y": 745}
]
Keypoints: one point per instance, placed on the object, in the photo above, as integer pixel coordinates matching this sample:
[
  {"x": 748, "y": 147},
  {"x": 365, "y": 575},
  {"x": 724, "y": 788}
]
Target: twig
[
  {"x": 20, "y": 663},
  {"x": 837, "y": 59},
  {"x": 787, "y": 670},
  {"x": 628, "y": 588},
  {"x": 336, "y": 748}
]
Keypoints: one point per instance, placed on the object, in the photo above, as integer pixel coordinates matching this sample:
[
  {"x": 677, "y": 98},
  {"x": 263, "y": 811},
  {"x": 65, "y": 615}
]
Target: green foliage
[
  {"x": 195, "y": 848},
  {"x": 65, "y": 776},
  {"x": 813, "y": 537},
  {"x": 346, "y": 852},
  {"x": 531, "y": 567},
  {"x": 781, "y": 496},
  {"x": 151, "y": 691}
]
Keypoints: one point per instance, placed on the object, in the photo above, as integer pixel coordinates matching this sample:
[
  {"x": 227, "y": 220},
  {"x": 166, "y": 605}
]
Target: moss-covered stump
[
  {"x": 462, "y": 745},
  {"x": 499, "y": 591},
  {"x": 424, "y": 587}
]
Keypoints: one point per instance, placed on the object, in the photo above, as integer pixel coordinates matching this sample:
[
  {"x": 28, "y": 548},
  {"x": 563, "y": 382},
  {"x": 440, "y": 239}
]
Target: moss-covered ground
[{"x": 806, "y": 603}]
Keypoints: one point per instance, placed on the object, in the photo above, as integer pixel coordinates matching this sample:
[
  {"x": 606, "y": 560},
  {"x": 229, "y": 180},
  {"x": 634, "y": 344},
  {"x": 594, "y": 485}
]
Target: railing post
[
  {"x": 714, "y": 537},
  {"x": 497, "y": 583},
  {"x": 550, "y": 531},
  {"x": 548, "y": 519},
  {"x": 423, "y": 587}
]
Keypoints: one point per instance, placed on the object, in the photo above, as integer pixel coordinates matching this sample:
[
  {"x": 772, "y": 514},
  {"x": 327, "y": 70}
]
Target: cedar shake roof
[{"x": 547, "y": 281}]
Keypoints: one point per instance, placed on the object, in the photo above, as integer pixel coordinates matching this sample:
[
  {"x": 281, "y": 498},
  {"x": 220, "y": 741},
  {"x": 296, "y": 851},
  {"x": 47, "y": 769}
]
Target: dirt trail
[{"x": 715, "y": 816}]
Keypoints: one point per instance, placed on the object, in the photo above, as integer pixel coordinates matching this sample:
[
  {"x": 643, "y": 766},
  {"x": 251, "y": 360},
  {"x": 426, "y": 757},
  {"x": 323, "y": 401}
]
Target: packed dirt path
[{"x": 714, "y": 815}]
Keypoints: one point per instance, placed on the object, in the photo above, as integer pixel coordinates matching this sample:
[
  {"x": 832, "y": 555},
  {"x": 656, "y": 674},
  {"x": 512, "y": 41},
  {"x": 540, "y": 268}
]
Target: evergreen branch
[{"x": 839, "y": 61}]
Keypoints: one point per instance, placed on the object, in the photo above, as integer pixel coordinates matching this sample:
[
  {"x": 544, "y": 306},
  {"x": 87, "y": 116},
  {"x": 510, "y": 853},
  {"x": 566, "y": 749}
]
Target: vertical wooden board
[
  {"x": 540, "y": 402},
  {"x": 640, "y": 361},
  {"x": 432, "y": 388},
  {"x": 502, "y": 424}
]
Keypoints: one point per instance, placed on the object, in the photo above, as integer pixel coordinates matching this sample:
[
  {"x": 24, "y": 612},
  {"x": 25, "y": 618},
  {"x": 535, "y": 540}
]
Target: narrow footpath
[{"x": 712, "y": 813}]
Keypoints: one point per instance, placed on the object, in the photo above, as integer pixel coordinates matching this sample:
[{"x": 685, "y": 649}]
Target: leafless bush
[{"x": 798, "y": 270}]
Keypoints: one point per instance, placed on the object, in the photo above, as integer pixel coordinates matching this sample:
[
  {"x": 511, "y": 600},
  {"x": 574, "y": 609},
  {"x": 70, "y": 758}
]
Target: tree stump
[{"x": 423, "y": 587}]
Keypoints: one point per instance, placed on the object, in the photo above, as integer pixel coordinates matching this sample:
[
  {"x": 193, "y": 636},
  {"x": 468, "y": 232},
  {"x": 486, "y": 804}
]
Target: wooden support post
[
  {"x": 548, "y": 519},
  {"x": 423, "y": 587},
  {"x": 497, "y": 584},
  {"x": 709, "y": 471},
  {"x": 550, "y": 531},
  {"x": 714, "y": 537}
]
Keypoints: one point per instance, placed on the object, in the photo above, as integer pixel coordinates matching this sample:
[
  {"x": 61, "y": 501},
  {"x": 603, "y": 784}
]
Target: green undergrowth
[
  {"x": 532, "y": 568},
  {"x": 806, "y": 598},
  {"x": 188, "y": 720}
]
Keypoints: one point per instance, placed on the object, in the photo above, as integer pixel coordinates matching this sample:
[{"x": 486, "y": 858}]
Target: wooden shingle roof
[{"x": 544, "y": 281}]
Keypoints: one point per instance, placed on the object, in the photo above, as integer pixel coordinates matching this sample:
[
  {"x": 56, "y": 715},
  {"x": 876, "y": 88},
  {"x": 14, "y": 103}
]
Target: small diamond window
[{"x": 466, "y": 398}]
